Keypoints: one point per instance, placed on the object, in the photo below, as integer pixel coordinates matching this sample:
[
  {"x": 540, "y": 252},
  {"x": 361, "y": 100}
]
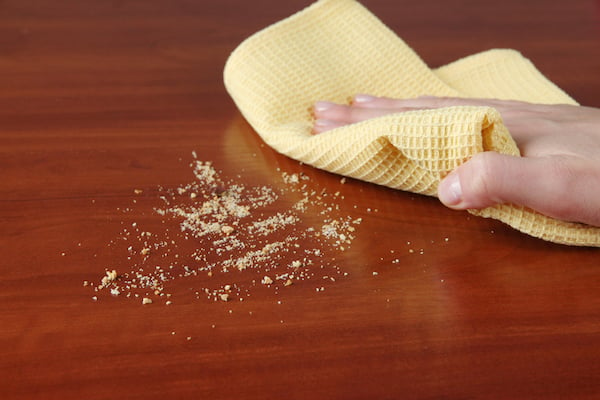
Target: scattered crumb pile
[{"x": 220, "y": 238}]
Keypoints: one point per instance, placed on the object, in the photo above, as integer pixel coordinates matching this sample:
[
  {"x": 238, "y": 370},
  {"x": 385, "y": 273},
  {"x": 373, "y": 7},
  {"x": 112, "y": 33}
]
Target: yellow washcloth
[{"x": 336, "y": 48}]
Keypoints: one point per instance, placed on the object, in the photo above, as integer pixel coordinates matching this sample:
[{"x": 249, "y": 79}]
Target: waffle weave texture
[{"x": 334, "y": 49}]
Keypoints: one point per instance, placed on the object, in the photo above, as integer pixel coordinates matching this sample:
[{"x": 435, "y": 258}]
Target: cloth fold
[{"x": 334, "y": 49}]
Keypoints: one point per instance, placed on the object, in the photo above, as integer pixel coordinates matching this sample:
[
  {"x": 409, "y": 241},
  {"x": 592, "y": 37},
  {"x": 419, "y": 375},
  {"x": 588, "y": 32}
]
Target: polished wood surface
[{"x": 101, "y": 98}]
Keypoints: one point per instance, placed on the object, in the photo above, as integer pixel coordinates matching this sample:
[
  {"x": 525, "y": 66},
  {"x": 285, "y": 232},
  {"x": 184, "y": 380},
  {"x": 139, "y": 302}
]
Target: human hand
[{"x": 558, "y": 175}]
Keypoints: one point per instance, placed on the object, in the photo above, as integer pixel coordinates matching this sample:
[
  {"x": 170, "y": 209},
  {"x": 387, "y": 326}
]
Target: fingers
[
  {"x": 509, "y": 109},
  {"x": 323, "y": 125},
  {"x": 330, "y": 115},
  {"x": 522, "y": 119},
  {"x": 422, "y": 102},
  {"x": 560, "y": 186},
  {"x": 349, "y": 114}
]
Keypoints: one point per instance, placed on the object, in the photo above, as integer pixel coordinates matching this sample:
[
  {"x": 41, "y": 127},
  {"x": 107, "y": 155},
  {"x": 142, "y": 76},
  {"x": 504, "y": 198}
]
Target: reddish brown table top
[{"x": 102, "y": 105}]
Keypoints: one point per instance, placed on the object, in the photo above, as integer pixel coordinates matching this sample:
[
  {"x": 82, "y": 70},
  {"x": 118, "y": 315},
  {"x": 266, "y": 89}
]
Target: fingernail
[
  {"x": 363, "y": 98},
  {"x": 323, "y": 106},
  {"x": 450, "y": 191}
]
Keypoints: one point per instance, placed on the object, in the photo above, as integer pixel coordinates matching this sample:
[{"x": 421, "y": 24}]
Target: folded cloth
[{"x": 334, "y": 49}]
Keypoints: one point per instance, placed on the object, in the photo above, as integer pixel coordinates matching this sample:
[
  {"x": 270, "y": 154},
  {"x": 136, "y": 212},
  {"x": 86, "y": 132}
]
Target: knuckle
[
  {"x": 480, "y": 191},
  {"x": 572, "y": 182},
  {"x": 353, "y": 114}
]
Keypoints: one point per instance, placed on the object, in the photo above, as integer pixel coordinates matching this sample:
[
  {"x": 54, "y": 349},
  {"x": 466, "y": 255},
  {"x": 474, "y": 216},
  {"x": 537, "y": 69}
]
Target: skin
[{"x": 558, "y": 175}]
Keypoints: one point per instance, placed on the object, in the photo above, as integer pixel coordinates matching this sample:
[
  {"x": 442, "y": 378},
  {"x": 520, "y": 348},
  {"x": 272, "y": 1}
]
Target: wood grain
[{"x": 98, "y": 99}]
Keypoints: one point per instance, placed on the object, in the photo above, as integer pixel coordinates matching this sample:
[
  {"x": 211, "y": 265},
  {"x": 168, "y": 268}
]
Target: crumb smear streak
[{"x": 252, "y": 234}]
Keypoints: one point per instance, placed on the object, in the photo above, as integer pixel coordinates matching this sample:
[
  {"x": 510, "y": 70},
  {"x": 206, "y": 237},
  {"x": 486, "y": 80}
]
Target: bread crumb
[
  {"x": 234, "y": 230},
  {"x": 112, "y": 275},
  {"x": 226, "y": 229},
  {"x": 108, "y": 278},
  {"x": 146, "y": 300}
]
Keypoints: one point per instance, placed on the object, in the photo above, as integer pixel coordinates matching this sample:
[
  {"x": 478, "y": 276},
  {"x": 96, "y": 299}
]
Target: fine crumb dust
[{"x": 221, "y": 238}]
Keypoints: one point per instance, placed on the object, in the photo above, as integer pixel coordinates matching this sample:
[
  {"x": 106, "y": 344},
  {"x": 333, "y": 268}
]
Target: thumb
[{"x": 490, "y": 178}]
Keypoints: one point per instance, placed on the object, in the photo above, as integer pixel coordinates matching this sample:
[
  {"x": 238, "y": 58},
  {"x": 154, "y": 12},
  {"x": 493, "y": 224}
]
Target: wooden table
[{"x": 102, "y": 105}]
